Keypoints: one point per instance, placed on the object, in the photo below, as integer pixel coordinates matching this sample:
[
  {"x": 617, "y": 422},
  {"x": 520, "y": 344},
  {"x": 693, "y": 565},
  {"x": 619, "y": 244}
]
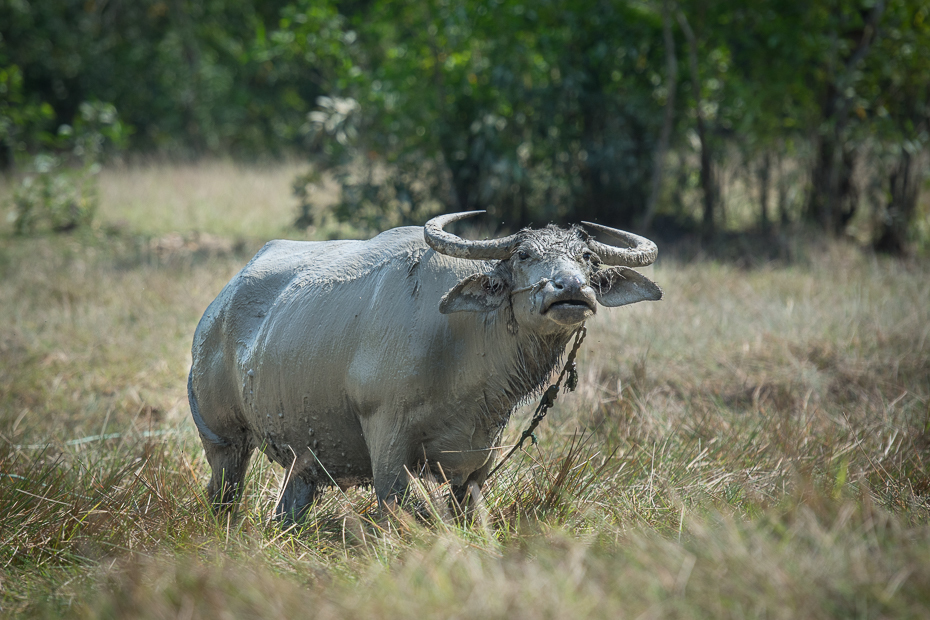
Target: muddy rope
[{"x": 548, "y": 397}]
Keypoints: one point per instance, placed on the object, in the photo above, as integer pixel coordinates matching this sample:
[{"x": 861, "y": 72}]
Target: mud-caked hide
[{"x": 356, "y": 362}]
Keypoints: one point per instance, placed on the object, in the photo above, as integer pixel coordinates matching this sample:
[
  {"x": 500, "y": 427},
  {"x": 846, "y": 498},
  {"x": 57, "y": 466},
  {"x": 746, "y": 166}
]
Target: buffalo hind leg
[{"x": 295, "y": 500}]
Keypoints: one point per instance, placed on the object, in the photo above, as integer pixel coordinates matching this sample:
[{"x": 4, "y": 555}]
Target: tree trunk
[
  {"x": 904, "y": 190},
  {"x": 784, "y": 187},
  {"x": 671, "y": 79},
  {"x": 707, "y": 175},
  {"x": 765, "y": 175},
  {"x": 833, "y": 199},
  {"x": 829, "y": 206},
  {"x": 6, "y": 157},
  {"x": 191, "y": 51}
]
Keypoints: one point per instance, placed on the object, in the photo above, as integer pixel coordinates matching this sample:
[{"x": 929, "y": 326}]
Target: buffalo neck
[{"x": 518, "y": 364}]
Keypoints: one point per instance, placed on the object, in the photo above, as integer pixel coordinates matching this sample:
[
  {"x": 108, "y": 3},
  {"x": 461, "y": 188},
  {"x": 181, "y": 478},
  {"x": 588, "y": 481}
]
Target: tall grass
[
  {"x": 755, "y": 445},
  {"x": 217, "y": 197}
]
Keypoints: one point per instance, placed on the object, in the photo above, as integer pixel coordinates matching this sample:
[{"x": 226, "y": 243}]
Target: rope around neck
[{"x": 549, "y": 396}]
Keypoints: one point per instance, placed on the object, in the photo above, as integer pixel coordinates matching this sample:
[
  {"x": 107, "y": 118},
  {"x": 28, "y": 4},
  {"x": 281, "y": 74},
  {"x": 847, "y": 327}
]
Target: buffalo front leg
[
  {"x": 390, "y": 478},
  {"x": 391, "y": 484},
  {"x": 229, "y": 463},
  {"x": 464, "y": 496},
  {"x": 295, "y": 500},
  {"x": 228, "y": 455}
]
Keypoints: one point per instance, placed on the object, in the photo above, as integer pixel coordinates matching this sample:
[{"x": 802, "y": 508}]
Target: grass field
[{"x": 756, "y": 445}]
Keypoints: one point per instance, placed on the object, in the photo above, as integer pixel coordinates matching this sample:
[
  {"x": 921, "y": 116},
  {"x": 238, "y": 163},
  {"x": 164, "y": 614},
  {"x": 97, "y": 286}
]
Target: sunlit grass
[
  {"x": 219, "y": 197},
  {"x": 755, "y": 445}
]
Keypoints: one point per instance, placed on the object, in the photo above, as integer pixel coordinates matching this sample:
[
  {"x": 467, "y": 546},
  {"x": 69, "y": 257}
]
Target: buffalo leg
[
  {"x": 390, "y": 480},
  {"x": 462, "y": 499},
  {"x": 229, "y": 463},
  {"x": 295, "y": 500},
  {"x": 390, "y": 488},
  {"x": 390, "y": 458},
  {"x": 228, "y": 457}
]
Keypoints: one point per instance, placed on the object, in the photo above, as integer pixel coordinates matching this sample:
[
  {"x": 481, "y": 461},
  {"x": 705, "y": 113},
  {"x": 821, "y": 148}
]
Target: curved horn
[
  {"x": 639, "y": 253},
  {"x": 451, "y": 245}
]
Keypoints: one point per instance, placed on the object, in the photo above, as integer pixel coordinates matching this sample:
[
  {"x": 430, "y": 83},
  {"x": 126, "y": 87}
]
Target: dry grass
[
  {"x": 220, "y": 197},
  {"x": 756, "y": 445}
]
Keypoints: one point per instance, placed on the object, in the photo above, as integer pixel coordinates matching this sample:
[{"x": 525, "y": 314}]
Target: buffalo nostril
[{"x": 569, "y": 282}]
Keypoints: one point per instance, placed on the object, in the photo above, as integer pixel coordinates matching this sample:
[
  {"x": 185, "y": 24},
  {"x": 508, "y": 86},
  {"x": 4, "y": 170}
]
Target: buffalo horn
[
  {"x": 638, "y": 252},
  {"x": 451, "y": 245}
]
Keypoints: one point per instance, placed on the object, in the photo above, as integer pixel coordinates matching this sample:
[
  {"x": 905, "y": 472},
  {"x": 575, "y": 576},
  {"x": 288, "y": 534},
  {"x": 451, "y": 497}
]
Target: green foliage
[
  {"x": 188, "y": 76},
  {"x": 552, "y": 111},
  {"x": 536, "y": 112},
  {"x": 23, "y": 123},
  {"x": 530, "y": 112},
  {"x": 895, "y": 102},
  {"x": 53, "y": 198},
  {"x": 59, "y": 193}
]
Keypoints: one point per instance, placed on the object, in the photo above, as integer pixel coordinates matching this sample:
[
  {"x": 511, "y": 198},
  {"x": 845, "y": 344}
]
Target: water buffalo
[{"x": 354, "y": 362}]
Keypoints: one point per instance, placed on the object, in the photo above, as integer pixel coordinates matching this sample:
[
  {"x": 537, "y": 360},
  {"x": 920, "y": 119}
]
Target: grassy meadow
[{"x": 756, "y": 445}]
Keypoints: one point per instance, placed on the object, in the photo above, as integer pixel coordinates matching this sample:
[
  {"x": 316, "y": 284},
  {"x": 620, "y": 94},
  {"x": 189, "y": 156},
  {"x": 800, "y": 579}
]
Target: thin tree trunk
[
  {"x": 707, "y": 177},
  {"x": 191, "y": 50},
  {"x": 765, "y": 175},
  {"x": 784, "y": 219},
  {"x": 904, "y": 190},
  {"x": 671, "y": 80}
]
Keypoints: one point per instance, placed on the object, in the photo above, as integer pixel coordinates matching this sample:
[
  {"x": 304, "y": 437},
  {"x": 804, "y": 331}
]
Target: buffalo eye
[
  {"x": 523, "y": 255},
  {"x": 591, "y": 257}
]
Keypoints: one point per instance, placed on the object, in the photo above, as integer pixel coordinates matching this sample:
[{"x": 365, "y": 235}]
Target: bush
[
  {"x": 59, "y": 194},
  {"x": 54, "y": 197}
]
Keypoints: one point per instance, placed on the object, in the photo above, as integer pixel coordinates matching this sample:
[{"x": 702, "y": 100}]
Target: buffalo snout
[{"x": 568, "y": 300}]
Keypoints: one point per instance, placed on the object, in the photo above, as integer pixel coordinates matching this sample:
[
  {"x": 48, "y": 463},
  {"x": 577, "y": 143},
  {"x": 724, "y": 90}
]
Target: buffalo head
[{"x": 553, "y": 278}]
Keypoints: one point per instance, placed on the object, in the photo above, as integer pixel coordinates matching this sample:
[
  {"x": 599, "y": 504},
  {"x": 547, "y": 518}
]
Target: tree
[
  {"x": 668, "y": 121},
  {"x": 538, "y": 113},
  {"x": 845, "y": 37},
  {"x": 896, "y": 99},
  {"x": 24, "y": 120},
  {"x": 708, "y": 184},
  {"x": 189, "y": 76}
]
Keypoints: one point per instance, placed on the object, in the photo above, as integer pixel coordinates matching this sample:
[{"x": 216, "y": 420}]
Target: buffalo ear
[
  {"x": 477, "y": 293},
  {"x": 619, "y": 286}
]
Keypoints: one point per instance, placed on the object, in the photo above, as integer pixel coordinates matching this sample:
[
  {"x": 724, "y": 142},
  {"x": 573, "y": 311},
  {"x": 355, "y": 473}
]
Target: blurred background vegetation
[{"x": 673, "y": 117}]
